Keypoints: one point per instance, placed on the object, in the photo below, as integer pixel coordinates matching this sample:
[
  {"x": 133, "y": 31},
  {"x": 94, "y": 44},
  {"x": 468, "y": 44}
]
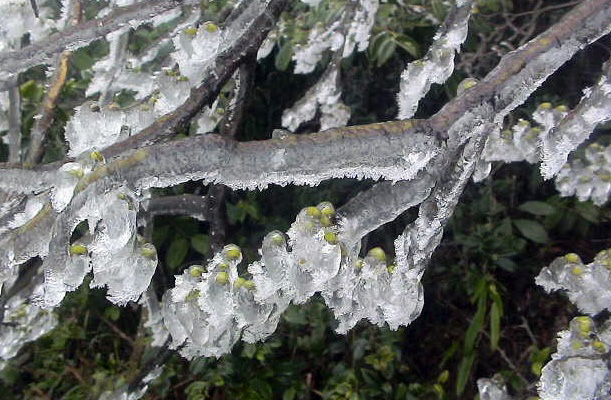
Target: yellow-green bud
[
  {"x": 326, "y": 209},
  {"x": 223, "y": 266},
  {"x": 191, "y": 31},
  {"x": 96, "y": 156},
  {"x": 313, "y": 212},
  {"x": 232, "y": 252},
  {"x": 277, "y": 238},
  {"x": 377, "y": 253},
  {"x": 76, "y": 172},
  {"x": 211, "y": 27},
  {"x": 196, "y": 270},
  {"x": 222, "y": 278},
  {"x": 562, "y": 108},
  {"x": 358, "y": 264},
  {"x": 577, "y": 271},
  {"x": 193, "y": 295},
  {"x": 326, "y": 221},
  {"x": 573, "y": 258},
  {"x": 78, "y": 249},
  {"x": 239, "y": 282},
  {"x": 576, "y": 345},
  {"x": 584, "y": 325},
  {"x": 523, "y": 122},
  {"x": 546, "y": 105},
  {"x": 391, "y": 268},
  {"x": 250, "y": 285},
  {"x": 148, "y": 251},
  {"x": 331, "y": 237},
  {"x": 599, "y": 346}
]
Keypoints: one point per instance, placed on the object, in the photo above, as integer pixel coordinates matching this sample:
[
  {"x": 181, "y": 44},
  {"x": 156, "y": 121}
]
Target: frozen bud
[
  {"x": 231, "y": 252},
  {"x": 191, "y": 31},
  {"x": 313, "y": 212},
  {"x": 193, "y": 295},
  {"x": 78, "y": 249},
  {"x": 377, "y": 253},
  {"x": 223, "y": 266},
  {"x": 148, "y": 251},
  {"x": 239, "y": 282},
  {"x": 222, "y": 278},
  {"x": 196, "y": 270},
  {"x": 96, "y": 156},
  {"x": 331, "y": 237},
  {"x": 562, "y": 108},
  {"x": 465, "y": 84},
  {"x": 211, "y": 27},
  {"x": 326, "y": 209},
  {"x": 358, "y": 264},
  {"x": 277, "y": 238},
  {"x": 573, "y": 258},
  {"x": 545, "y": 106}
]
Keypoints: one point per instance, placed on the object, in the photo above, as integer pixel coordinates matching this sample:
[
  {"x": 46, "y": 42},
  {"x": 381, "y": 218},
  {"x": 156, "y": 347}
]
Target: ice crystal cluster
[
  {"x": 211, "y": 306},
  {"x": 587, "y": 285}
]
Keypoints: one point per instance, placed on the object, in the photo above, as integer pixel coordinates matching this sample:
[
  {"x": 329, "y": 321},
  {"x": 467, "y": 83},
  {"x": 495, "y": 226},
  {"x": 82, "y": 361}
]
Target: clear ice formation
[
  {"x": 211, "y": 306},
  {"x": 23, "y": 321},
  {"x": 492, "y": 389},
  {"x": 324, "y": 96},
  {"x": 437, "y": 65},
  {"x": 119, "y": 259},
  {"x": 580, "y": 367},
  {"x": 335, "y": 36},
  {"x": 588, "y": 286}
]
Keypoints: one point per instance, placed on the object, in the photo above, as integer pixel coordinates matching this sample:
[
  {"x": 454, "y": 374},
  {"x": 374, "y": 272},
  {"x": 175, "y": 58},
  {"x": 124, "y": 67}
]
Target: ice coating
[
  {"x": 579, "y": 369},
  {"x": 335, "y": 36},
  {"x": 210, "y": 307},
  {"x": 588, "y": 178},
  {"x": 324, "y": 95},
  {"x": 438, "y": 63},
  {"x": 23, "y": 322},
  {"x": 593, "y": 109},
  {"x": 588, "y": 286},
  {"x": 492, "y": 389},
  {"x": 120, "y": 261}
]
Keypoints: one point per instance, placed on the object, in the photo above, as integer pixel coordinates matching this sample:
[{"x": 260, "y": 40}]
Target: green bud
[
  {"x": 326, "y": 221},
  {"x": 545, "y": 106},
  {"x": 577, "y": 271},
  {"x": 193, "y": 295},
  {"x": 211, "y": 27},
  {"x": 232, "y": 252},
  {"x": 78, "y": 249},
  {"x": 391, "y": 268},
  {"x": 562, "y": 108},
  {"x": 377, "y": 253},
  {"x": 573, "y": 258},
  {"x": 96, "y": 156},
  {"x": 196, "y": 270},
  {"x": 250, "y": 285},
  {"x": 313, "y": 212},
  {"x": 358, "y": 264},
  {"x": 326, "y": 209},
  {"x": 331, "y": 237},
  {"x": 239, "y": 282},
  {"x": 277, "y": 238},
  {"x": 222, "y": 278},
  {"x": 191, "y": 31},
  {"x": 523, "y": 122},
  {"x": 223, "y": 266},
  {"x": 76, "y": 172},
  {"x": 148, "y": 251},
  {"x": 599, "y": 346}
]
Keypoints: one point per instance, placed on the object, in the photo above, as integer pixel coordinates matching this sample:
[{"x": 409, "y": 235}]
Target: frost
[
  {"x": 307, "y": 56},
  {"x": 587, "y": 285},
  {"x": 579, "y": 369},
  {"x": 324, "y": 95},
  {"x": 17, "y": 19},
  {"x": 436, "y": 66}
]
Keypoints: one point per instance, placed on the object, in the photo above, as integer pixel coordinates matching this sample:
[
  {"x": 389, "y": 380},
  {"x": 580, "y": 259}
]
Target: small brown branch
[{"x": 47, "y": 112}]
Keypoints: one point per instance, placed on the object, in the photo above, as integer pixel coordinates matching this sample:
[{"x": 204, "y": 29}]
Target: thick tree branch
[{"x": 191, "y": 205}]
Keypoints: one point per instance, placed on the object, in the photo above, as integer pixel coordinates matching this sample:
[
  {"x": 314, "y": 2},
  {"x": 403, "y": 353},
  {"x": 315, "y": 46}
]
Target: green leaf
[
  {"x": 477, "y": 324},
  {"x": 283, "y": 58},
  {"x": 537, "y": 208},
  {"x": 289, "y": 394},
  {"x": 531, "y": 230},
  {"x": 408, "y": 44},
  {"x": 201, "y": 243},
  {"x": 112, "y": 313},
  {"x": 464, "y": 370},
  {"x": 385, "y": 50},
  {"x": 495, "y": 326},
  {"x": 177, "y": 252}
]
